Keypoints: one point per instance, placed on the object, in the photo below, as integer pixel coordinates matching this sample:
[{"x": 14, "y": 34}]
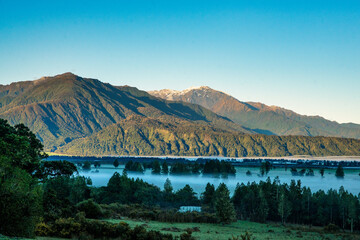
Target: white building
[{"x": 190, "y": 209}]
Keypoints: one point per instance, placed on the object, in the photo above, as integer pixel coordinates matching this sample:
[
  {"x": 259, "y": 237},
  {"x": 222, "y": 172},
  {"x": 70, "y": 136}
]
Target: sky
[{"x": 300, "y": 55}]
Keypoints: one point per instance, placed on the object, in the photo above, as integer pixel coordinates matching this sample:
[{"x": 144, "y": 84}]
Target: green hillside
[{"x": 147, "y": 136}]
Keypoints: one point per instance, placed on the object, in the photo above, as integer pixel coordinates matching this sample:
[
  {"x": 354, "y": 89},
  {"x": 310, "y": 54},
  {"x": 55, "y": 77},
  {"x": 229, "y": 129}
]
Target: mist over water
[{"x": 351, "y": 181}]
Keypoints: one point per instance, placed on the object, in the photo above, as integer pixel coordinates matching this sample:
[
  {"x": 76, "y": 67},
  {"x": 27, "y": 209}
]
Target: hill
[
  {"x": 147, "y": 136},
  {"x": 260, "y": 117},
  {"x": 65, "y": 107}
]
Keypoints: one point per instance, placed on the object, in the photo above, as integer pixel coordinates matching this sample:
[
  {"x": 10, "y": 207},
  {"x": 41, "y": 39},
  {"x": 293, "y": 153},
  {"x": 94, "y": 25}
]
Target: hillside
[
  {"x": 147, "y": 136},
  {"x": 65, "y": 107},
  {"x": 260, "y": 117}
]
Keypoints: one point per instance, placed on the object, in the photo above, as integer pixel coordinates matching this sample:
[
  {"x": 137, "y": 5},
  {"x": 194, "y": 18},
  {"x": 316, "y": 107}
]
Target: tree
[
  {"x": 165, "y": 168},
  {"x": 225, "y": 211},
  {"x": 116, "y": 163},
  {"x": 90, "y": 208},
  {"x": 21, "y": 147},
  {"x": 156, "y": 167},
  {"x": 263, "y": 209},
  {"x": 322, "y": 171},
  {"x": 186, "y": 196},
  {"x": 196, "y": 168},
  {"x": 265, "y": 168},
  {"x": 20, "y": 201},
  {"x": 86, "y": 166},
  {"x": 97, "y": 164},
  {"x": 168, "y": 186},
  {"x": 168, "y": 190},
  {"x": 51, "y": 169},
  {"x": 284, "y": 207},
  {"x": 20, "y": 194},
  {"x": 208, "y": 196},
  {"x": 339, "y": 172}
]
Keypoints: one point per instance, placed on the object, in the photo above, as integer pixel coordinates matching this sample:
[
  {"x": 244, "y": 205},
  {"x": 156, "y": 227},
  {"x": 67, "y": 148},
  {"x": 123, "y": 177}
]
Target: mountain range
[
  {"x": 84, "y": 116},
  {"x": 270, "y": 120}
]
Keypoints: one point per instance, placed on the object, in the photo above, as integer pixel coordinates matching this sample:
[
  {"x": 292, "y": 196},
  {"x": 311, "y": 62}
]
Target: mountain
[
  {"x": 138, "y": 135},
  {"x": 65, "y": 107},
  {"x": 84, "y": 116},
  {"x": 260, "y": 117}
]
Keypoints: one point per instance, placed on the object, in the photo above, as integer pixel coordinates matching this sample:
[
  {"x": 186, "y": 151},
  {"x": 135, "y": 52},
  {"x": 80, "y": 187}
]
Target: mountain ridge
[{"x": 260, "y": 117}]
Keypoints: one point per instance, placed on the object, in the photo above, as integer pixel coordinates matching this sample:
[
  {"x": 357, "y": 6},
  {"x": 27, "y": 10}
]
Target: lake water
[{"x": 351, "y": 181}]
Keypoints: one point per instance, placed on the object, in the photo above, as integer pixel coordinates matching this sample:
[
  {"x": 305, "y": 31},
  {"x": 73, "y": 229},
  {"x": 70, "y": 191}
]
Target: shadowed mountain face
[
  {"x": 260, "y": 117},
  {"x": 66, "y": 107}
]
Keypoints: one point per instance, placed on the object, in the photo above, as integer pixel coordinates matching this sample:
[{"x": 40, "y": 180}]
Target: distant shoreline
[{"x": 293, "y": 158}]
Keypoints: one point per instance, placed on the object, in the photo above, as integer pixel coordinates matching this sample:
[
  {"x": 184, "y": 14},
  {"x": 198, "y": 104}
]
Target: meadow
[{"x": 259, "y": 231}]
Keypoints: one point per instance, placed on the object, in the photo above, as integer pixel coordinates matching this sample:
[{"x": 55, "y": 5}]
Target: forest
[{"x": 49, "y": 198}]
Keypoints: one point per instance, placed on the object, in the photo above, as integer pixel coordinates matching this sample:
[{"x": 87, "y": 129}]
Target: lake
[{"x": 351, "y": 182}]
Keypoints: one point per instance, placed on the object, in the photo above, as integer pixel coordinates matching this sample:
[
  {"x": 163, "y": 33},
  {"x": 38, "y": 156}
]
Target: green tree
[
  {"x": 156, "y": 169},
  {"x": 20, "y": 201},
  {"x": 97, "y": 164},
  {"x": 186, "y": 196},
  {"x": 168, "y": 190},
  {"x": 168, "y": 186},
  {"x": 208, "y": 196},
  {"x": 284, "y": 208},
  {"x": 165, "y": 168},
  {"x": 20, "y": 194},
  {"x": 265, "y": 168},
  {"x": 339, "y": 172},
  {"x": 51, "y": 169},
  {"x": 263, "y": 209},
  {"x": 322, "y": 171},
  {"x": 225, "y": 211},
  {"x": 86, "y": 166},
  {"x": 116, "y": 163},
  {"x": 90, "y": 208}
]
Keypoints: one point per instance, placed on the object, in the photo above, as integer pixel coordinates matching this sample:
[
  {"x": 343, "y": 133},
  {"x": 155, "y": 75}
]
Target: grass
[
  {"x": 225, "y": 232},
  {"x": 259, "y": 231}
]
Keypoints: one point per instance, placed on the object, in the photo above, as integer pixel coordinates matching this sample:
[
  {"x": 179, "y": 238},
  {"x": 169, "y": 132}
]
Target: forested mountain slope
[
  {"x": 65, "y": 107},
  {"x": 147, "y": 136}
]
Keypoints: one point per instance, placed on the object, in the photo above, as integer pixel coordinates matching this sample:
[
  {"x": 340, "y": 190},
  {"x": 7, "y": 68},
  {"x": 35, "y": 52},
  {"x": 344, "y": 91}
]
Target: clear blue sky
[{"x": 301, "y": 55}]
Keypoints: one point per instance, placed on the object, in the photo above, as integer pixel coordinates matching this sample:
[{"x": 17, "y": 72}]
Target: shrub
[
  {"x": 90, "y": 208},
  {"x": 331, "y": 228},
  {"x": 42, "y": 229}
]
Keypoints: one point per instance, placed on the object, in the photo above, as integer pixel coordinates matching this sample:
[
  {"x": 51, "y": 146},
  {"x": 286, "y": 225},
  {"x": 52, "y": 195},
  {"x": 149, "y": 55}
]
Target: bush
[
  {"x": 43, "y": 230},
  {"x": 331, "y": 228},
  {"x": 66, "y": 228},
  {"x": 90, "y": 208}
]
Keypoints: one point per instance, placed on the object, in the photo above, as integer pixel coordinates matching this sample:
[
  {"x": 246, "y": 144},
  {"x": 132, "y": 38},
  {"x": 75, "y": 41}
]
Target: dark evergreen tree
[
  {"x": 225, "y": 211},
  {"x": 165, "y": 168},
  {"x": 116, "y": 163},
  {"x": 339, "y": 172},
  {"x": 156, "y": 168},
  {"x": 208, "y": 197}
]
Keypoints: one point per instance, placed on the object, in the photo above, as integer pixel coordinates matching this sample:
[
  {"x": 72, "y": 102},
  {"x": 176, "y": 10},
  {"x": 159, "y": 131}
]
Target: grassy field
[
  {"x": 219, "y": 232},
  {"x": 259, "y": 231}
]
